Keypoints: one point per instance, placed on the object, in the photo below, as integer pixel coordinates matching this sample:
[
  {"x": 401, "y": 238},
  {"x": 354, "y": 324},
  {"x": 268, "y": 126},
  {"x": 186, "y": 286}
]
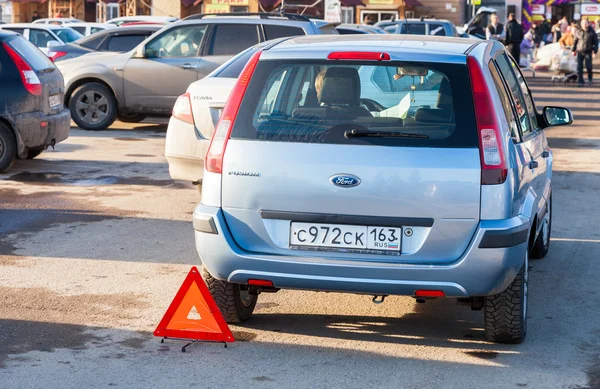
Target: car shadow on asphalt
[{"x": 438, "y": 323}]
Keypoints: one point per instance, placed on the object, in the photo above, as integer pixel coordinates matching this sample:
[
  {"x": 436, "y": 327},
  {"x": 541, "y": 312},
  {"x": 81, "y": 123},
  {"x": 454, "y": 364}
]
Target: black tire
[
  {"x": 235, "y": 305},
  {"x": 542, "y": 243},
  {"x": 131, "y": 118},
  {"x": 8, "y": 147},
  {"x": 31, "y": 153},
  {"x": 93, "y": 107},
  {"x": 506, "y": 312}
]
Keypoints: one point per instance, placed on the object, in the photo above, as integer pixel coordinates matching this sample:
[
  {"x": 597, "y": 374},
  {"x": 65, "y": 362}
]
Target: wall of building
[
  {"x": 166, "y": 7},
  {"x": 453, "y": 10}
]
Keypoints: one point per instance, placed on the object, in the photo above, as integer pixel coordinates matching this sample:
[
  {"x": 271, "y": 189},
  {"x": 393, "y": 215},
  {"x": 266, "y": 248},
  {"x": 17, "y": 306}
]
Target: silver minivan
[{"x": 379, "y": 165}]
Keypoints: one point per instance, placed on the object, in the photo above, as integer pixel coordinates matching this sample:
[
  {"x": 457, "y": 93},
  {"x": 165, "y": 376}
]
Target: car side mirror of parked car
[
  {"x": 557, "y": 116},
  {"x": 52, "y": 44}
]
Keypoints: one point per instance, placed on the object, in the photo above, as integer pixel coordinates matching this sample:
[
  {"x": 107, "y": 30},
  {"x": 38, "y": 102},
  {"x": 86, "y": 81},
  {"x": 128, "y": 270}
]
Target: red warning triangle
[{"x": 193, "y": 314}]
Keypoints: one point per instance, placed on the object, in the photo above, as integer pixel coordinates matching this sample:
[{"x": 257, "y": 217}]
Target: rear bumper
[
  {"x": 478, "y": 272},
  {"x": 33, "y": 135},
  {"x": 185, "y": 151}
]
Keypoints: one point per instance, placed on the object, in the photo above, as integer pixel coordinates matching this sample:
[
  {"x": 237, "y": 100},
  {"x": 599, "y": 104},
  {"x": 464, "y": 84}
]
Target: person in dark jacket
[
  {"x": 514, "y": 37},
  {"x": 535, "y": 34},
  {"x": 585, "y": 48}
]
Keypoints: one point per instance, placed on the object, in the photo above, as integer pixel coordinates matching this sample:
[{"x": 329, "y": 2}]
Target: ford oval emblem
[{"x": 345, "y": 180}]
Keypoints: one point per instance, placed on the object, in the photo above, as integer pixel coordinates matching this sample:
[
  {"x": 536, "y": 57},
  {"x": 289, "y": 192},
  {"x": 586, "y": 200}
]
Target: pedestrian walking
[
  {"x": 546, "y": 31},
  {"x": 526, "y": 51},
  {"x": 585, "y": 48},
  {"x": 514, "y": 37},
  {"x": 495, "y": 30},
  {"x": 35, "y": 16}
]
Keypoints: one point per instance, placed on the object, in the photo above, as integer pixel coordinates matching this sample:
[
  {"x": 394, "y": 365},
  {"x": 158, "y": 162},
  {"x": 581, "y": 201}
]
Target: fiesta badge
[{"x": 345, "y": 180}]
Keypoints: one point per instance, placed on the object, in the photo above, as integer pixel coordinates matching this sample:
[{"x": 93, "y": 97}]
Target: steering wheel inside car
[{"x": 372, "y": 105}]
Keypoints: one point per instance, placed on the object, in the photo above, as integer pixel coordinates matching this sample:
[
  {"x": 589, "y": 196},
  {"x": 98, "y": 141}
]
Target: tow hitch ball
[{"x": 380, "y": 301}]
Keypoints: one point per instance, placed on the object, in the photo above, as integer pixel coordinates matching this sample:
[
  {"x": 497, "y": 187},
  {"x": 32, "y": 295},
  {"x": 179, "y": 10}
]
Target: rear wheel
[
  {"x": 542, "y": 243},
  {"x": 131, "y": 118},
  {"x": 93, "y": 106},
  {"x": 506, "y": 312},
  {"x": 8, "y": 147},
  {"x": 32, "y": 153},
  {"x": 236, "y": 304}
]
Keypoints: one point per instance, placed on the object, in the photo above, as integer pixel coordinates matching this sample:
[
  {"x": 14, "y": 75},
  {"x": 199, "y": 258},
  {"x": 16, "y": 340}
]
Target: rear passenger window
[
  {"x": 94, "y": 30},
  {"x": 124, "y": 42},
  {"x": 273, "y": 31},
  {"x": 40, "y": 38},
  {"x": 92, "y": 43},
  {"x": 436, "y": 29},
  {"x": 80, "y": 30},
  {"x": 320, "y": 102},
  {"x": 414, "y": 29},
  {"x": 528, "y": 99},
  {"x": 516, "y": 93},
  {"x": 230, "y": 39},
  {"x": 507, "y": 103}
]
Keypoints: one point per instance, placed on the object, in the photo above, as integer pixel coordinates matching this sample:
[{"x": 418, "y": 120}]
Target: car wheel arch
[
  {"x": 21, "y": 149},
  {"x": 82, "y": 81}
]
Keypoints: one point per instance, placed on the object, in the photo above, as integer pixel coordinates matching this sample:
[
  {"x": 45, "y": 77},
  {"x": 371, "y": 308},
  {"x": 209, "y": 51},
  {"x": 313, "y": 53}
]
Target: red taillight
[
  {"x": 493, "y": 163},
  {"x": 216, "y": 150},
  {"x": 54, "y": 55},
  {"x": 429, "y": 293},
  {"x": 182, "y": 109},
  {"x": 28, "y": 75},
  {"x": 265, "y": 283},
  {"x": 359, "y": 56}
]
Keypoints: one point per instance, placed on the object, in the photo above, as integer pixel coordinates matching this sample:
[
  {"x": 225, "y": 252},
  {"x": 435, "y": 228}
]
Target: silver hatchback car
[{"x": 379, "y": 165}]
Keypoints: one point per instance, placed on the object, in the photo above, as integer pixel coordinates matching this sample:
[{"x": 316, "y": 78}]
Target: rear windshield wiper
[
  {"x": 382, "y": 134},
  {"x": 47, "y": 70}
]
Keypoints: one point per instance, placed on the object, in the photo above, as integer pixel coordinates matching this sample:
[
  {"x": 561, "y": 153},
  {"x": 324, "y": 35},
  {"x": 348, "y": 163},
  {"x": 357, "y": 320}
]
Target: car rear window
[
  {"x": 413, "y": 28},
  {"x": 34, "y": 57},
  {"x": 233, "y": 67},
  {"x": 420, "y": 104}
]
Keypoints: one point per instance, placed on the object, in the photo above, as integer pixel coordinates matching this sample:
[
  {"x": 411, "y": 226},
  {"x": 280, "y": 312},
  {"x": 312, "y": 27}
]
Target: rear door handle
[
  {"x": 188, "y": 66},
  {"x": 545, "y": 154},
  {"x": 533, "y": 165}
]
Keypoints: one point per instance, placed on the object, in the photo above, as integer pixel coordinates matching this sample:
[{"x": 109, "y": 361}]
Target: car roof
[
  {"x": 81, "y": 24},
  {"x": 144, "y": 17},
  {"x": 416, "y": 45},
  {"x": 6, "y": 34},
  {"x": 423, "y": 21},
  {"x": 31, "y": 25}
]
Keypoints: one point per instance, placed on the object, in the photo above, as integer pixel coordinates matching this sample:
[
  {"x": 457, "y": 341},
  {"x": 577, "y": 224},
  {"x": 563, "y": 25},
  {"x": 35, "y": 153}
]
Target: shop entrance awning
[
  {"x": 412, "y": 3},
  {"x": 352, "y": 3}
]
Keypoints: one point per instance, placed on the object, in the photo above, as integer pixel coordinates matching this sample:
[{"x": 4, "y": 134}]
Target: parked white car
[
  {"x": 195, "y": 116},
  {"x": 44, "y": 36},
  {"x": 85, "y": 28},
  {"x": 59, "y": 21}
]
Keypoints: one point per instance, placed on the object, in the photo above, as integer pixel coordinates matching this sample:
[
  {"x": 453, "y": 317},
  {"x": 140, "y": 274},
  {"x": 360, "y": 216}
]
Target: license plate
[
  {"x": 342, "y": 236},
  {"x": 55, "y": 101}
]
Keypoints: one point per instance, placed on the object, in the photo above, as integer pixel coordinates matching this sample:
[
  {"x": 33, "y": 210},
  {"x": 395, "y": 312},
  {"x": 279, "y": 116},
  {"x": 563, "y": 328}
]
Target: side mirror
[
  {"x": 557, "y": 116},
  {"x": 52, "y": 44},
  {"x": 139, "y": 52}
]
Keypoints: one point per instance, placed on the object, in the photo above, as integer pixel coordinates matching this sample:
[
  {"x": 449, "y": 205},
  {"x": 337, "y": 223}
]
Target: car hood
[{"x": 104, "y": 59}]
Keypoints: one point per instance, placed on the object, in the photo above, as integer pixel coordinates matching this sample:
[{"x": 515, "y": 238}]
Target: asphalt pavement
[{"x": 95, "y": 240}]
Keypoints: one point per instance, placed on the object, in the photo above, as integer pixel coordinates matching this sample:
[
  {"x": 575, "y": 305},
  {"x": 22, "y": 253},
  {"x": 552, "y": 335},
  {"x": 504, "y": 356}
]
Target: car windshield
[
  {"x": 316, "y": 102},
  {"x": 67, "y": 35}
]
